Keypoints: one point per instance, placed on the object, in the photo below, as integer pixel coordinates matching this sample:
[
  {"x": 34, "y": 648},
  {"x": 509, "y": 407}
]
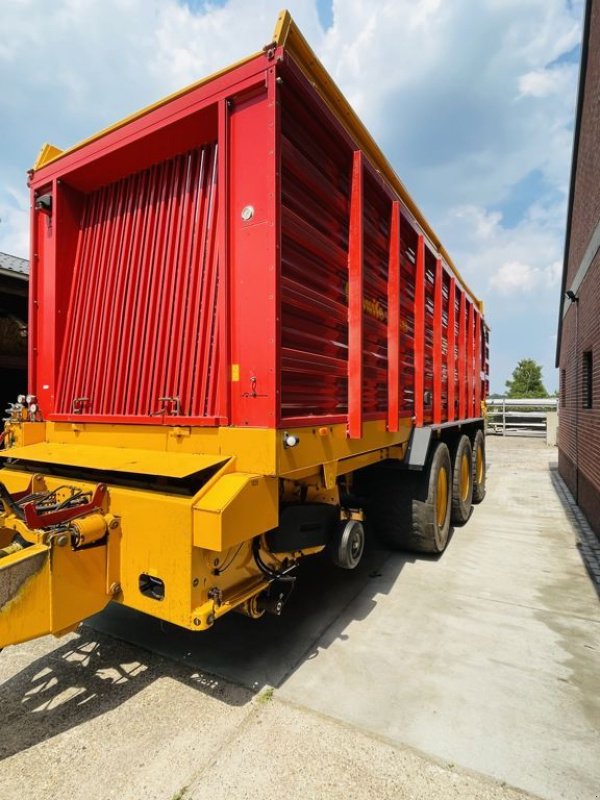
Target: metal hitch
[
  {"x": 276, "y": 596},
  {"x": 59, "y": 559}
]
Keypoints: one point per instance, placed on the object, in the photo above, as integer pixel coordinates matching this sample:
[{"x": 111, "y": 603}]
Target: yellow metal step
[{"x": 116, "y": 459}]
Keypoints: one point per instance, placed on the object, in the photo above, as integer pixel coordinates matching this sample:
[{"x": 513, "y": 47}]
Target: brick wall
[
  {"x": 586, "y": 201},
  {"x": 579, "y": 427}
]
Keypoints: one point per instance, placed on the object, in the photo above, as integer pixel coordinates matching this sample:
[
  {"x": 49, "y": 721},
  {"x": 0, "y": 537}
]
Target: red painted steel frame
[
  {"x": 477, "y": 359},
  {"x": 437, "y": 343},
  {"x": 451, "y": 354},
  {"x": 462, "y": 356},
  {"x": 470, "y": 411},
  {"x": 234, "y": 253},
  {"x": 419, "y": 335},
  {"x": 393, "y": 299},
  {"x": 355, "y": 301}
]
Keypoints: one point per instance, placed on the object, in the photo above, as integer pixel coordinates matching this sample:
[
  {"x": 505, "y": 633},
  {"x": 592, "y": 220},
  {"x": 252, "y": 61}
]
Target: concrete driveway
[{"x": 411, "y": 677}]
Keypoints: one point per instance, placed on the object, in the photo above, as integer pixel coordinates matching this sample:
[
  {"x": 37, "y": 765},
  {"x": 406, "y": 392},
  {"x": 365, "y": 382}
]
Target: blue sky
[{"x": 472, "y": 101}]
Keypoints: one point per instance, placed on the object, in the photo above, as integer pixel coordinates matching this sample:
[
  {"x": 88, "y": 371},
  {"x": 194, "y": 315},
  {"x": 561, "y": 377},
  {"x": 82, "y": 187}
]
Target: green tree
[{"x": 526, "y": 380}]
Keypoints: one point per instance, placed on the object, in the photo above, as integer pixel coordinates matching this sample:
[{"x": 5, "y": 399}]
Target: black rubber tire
[
  {"x": 347, "y": 544},
  {"x": 403, "y": 506},
  {"x": 479, "y": 472},
  {"x": 462, "y": 497}
]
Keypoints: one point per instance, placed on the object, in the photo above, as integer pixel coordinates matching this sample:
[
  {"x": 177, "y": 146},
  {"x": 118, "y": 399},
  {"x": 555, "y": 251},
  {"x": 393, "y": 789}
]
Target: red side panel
[
  {"x": 437, "y": 343},
  {"x": 253, "y": 256},
  {"x": 377, "y": 219},
  {"x": 355, "y": 300},
  {"x": 316, "y": 170},
  {"x": 470, "y": 411},
  {"x": 142, "y": 330},
  {"x": 419, "y": 332},
  {"x": 462, "y": 356},
  {"x": 451, "y": 349},
  {"x": 393, "y": 299}
]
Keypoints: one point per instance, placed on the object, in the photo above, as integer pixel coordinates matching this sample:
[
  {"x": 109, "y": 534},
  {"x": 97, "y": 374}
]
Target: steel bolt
[
  {"x": 115, "y": 588},
  {"x": 114, "y": 523},
  {"x": 196, "y": 582},
  {"x": 62, "y": 540},
  {"x": 197, "y": 621},
  {"x": 210, "y": 619}
]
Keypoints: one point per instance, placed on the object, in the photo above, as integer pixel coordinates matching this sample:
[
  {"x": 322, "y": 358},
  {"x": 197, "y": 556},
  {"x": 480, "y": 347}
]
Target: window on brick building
[
  {"x": 587, "y": 376},
  {"x": 562, "y": 387}
]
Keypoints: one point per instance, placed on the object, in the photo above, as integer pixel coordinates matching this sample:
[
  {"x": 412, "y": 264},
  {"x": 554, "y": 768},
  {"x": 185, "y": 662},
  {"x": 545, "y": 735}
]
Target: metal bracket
[
  {"x": 418, "y": 448},
  {"x": 164, "y": 409},
  {"x": 35, "y": 519},
  {"x": 78, "y": 404},
  {"x": 252, "y": 393}
]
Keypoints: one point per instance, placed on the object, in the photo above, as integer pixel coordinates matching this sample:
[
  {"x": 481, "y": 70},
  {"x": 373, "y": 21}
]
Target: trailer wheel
[
  {"x": 462, "y": 482},
  {"x": 411, "y": 510},
  {"x": 479, "y": 467},
  {"x": 347, "y": 544}
]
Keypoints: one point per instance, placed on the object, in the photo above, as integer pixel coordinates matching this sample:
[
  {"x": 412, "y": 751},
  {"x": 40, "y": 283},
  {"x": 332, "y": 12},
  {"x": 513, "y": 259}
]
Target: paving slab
[
  {"x": 483, "y": 661},
  {"x": 488, "y": 657},
  {"x": 284, "y": 751},
  {"x": 92, "y": 718}
]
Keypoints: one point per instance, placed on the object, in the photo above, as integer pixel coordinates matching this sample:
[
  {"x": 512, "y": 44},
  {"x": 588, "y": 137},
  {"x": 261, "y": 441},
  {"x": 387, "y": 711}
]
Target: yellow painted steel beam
[
  {"x": 237, "y": 508},
  {"x": 167, "y": 452},
  {"x": 116, "y": 459}
]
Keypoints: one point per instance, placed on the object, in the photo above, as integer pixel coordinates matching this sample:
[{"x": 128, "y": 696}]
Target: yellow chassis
[{"x": 199, "y": 545}]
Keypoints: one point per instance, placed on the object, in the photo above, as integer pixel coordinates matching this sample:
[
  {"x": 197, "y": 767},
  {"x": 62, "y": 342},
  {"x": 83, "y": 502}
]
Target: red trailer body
[
  {"x": 234, "y": 300},
  {"x": 250, "y": 265}
]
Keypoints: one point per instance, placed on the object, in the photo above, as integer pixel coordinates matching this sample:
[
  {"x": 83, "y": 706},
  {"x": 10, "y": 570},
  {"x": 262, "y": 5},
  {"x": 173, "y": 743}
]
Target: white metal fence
[{"x": 520, "y": 417}]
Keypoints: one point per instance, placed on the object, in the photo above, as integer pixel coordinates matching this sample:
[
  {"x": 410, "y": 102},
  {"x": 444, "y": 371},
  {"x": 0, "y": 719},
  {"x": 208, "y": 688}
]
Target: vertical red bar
[
  {"x": 451, "y": 354},
  {"x": 462, "y": 356},
  {"x": 223, "y": 261},
  {"x": 477, "y": 364},
  {"x": 419, "y": 330},
  {"x": 437, "y": 343},
  {"x": 35, "y": 246},
  {"x": 393, "y": 300},
  {"x": 355, "y": 300},
  {"x": 470, "y": 365}
]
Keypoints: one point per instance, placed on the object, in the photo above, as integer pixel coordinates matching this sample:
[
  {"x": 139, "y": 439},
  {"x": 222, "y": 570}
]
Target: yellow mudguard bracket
[{"x": 238, "y": 507}]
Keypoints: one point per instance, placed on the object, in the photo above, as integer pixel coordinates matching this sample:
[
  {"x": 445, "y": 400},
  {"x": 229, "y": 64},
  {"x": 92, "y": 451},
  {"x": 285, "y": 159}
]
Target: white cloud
[
  {"x": 514, "y": 276},
  {"x": 547, "y": 82},
  {"x": 508, "y": 260},
  {"x": 441, "y": 85},
  {"x": 14, "y": 222}
]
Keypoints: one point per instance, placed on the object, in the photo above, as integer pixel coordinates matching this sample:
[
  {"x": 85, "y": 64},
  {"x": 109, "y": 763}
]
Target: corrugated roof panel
[{"x": 14, "y": 264}]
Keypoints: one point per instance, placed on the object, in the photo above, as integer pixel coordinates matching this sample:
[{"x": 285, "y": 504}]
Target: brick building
[{"x": 578, "y": 347}]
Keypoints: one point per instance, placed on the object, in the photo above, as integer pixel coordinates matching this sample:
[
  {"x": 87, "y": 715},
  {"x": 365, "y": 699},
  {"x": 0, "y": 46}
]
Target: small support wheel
[
  {"x": 479, "y": 467},
  {"x": 462, "y": 481},
  {"x": 347, "y": 544}
]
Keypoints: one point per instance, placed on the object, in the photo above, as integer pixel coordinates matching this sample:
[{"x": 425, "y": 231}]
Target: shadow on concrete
[
  {"x": 255, "y": 653},
  {"x": 119, "y": 652},
  {"x": 588, "y": 544},
  {"x": 85, "y": 678}
]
